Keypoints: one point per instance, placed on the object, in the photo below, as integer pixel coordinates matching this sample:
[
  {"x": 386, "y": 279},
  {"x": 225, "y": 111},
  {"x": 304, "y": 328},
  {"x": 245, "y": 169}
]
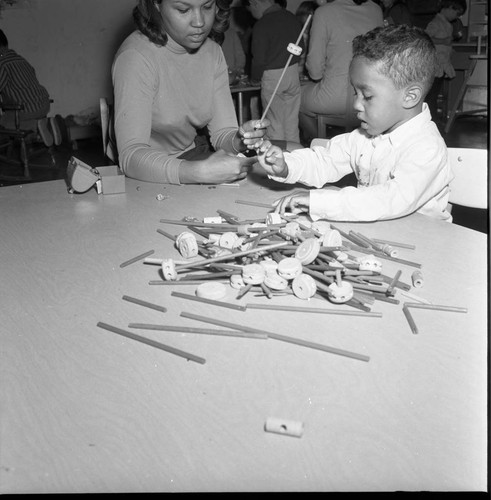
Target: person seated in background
[
  {"x": 334, "y": 26},
  {"x": 275, "y": 28},
  {"x": 304, "y": 10},
  {"x": 396, "y": 12},
  {"x": 234, "y": 51},
  {"x": 19, "y": 86},
  {"x": 441, "y": 31},
  {"x": 398, "y": 155},
  {"x": 170, "y": 82}
]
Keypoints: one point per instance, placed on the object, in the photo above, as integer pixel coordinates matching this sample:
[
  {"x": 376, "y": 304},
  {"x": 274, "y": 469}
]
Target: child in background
[
  {"x": 441, "y": 31},
  {"x": 398, "y": 155},
  {"x": 303, "y": 11},
  {"x": 273, "y": 31}
]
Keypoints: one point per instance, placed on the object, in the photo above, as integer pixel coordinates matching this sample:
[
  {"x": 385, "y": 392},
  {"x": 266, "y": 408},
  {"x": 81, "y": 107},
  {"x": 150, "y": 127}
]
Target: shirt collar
[{"x": 399, "y": 135}]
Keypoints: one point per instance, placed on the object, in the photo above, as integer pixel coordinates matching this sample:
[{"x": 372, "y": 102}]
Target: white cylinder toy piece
[
  {"x": 417, "y": 278},
  {"x": 243, "y": 229},
  {"x": 304, "y": 286},
  {"x": 169, "y": 270},
  {"x": 294, "y": 49},
  {"x": 321, "y": 226},
  {"x": 291, "y": 230},
  {"x": 289, "y": 268},
  {"x": 228, "y": 239},
  {"x": 341, "y": 256},
  {"x": 275, "y": 281},
  {"x": 340, "y": 293},
  {"x": 285, "y": 427},
  {"x": 236, "y": 281},
  {"x": 390, "y": 251},
  {"x": 212, "y": 220},
  {"x": 214, "y": 238},
  {"x": 269, "y": 265},
  {"x": 273, "y": 218},
  {"x": 332, "y": 238},
  {"x": 211, "y": 290},
  {"x": 370, "y": 263},
  {"x": 253, "y": 274},
  {"x": 308, "y": 251},
  {"x": 187, "y": 245}
]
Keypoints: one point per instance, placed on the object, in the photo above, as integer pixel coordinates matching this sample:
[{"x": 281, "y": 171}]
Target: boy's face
[{"x": 378, "y": 104}]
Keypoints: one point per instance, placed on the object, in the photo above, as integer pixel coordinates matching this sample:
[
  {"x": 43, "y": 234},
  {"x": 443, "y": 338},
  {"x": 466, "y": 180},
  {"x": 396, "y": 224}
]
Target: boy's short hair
[{"x": 406, "y": 53}]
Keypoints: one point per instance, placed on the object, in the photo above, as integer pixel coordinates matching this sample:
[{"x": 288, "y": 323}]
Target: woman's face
[{"x": 188, "y": 22}]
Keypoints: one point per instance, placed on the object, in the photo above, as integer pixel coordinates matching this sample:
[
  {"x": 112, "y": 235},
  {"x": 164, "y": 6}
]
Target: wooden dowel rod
[
  {"x": 410, "y": 319},
  {"x": 395, "y": 244},
  {"x": 231, "y": 256},
  {"x": 384, "y": 256},
  {"x": 145, "y": 303},
  {"x": 164, "y": 233},
  {"x": 183, "y": 282},
  {"x": 206, "y": 331},
  {"x": 204, "y": 300},
  {"x": 276, "y": 336},
  {"x": 153, "y": 343},
  {"x": 392, "y": 284},
  {"x": 285, "y": 68},
  {"x": 435, "y": 307},
  {"x": 136, "y": 259},
  {"x": 254, "y": 204},
  {"x": 341, "y": 312}
]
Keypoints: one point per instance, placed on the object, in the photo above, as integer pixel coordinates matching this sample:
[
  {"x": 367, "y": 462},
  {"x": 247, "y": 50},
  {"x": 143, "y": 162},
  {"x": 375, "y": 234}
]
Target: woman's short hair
[{"x": 149, "y": 21}]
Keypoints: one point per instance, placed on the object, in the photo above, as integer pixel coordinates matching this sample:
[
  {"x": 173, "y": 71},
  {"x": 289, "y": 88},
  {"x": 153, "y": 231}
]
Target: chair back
[
  {"x": 108, "y": 137},
  {"x": 469, "y": 188}
]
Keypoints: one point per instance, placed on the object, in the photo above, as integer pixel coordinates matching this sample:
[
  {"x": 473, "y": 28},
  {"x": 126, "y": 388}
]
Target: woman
[{"x": 170, "y": 81}]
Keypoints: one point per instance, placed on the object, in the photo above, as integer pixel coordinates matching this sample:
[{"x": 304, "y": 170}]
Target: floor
[{"x": 467, "y": 132}]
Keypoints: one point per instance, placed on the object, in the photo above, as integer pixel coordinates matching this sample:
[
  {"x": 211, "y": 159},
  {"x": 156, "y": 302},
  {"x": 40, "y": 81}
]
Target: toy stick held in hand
[{"x": 293, "y": 52}]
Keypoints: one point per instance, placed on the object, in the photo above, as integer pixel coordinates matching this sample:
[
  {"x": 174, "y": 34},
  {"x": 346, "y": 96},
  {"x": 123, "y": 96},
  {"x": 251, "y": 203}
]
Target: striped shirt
[{"x": 18, "y": 83}]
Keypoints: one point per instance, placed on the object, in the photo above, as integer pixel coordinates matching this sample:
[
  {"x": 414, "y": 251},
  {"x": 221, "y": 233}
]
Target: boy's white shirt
[{"x": 404, "y": 171}]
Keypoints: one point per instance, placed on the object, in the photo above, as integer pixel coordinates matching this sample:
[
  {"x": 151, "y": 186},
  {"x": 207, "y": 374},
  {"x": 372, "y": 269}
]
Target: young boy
[
  {"x": 274, "y": 30},
  {"x": 398, "y": 155}
]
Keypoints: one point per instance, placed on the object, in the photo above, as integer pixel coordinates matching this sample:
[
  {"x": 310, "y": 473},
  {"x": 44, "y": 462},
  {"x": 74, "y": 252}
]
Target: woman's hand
[
  {"x": 252, "y": 132},
  {"x": 218, "y": 168}
]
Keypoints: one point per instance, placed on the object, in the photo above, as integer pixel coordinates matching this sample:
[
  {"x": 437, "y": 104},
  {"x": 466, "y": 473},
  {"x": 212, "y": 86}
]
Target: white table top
[{"x": 86, "y": 410}]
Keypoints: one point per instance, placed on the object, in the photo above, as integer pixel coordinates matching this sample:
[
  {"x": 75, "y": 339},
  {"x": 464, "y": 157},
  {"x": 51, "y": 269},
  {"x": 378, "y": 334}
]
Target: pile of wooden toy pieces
[{"x": 282, "y": 255}]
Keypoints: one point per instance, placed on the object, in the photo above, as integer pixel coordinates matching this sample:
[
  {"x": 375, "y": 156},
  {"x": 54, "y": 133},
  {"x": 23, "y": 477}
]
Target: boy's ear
[{"x": 412, "y": 96}]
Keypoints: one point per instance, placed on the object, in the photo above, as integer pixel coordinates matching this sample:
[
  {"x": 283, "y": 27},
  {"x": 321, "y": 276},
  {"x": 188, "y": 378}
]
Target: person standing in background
[
  {"x": 304, "y": 10},
  {"x": 274, "y": 30}
]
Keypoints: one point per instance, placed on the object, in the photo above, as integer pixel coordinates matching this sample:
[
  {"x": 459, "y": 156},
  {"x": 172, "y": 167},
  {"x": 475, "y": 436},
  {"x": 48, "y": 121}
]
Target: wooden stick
[
  {"x": 395, "y": 244},
  {"x": 230, "y": 256},
  {"x": 145, "y": 304},
  {"x": 392, "y": 284},
  {"x": 384, "y": 256},
  {"x": 314, "y": 310},
  {"x": 204, "y": 300},
  {"x": 183, "y": 282},
  {"x": 170, "y": 236},
  {"x": 206, "y": 331},
  {"x": 435, "y": 307},
  {"x": 276, "y": 336},
  {"x": 254, "y": 204},
  {"x": 285, "y": 68},
  {"x": 136, "y": 259},
  {"x": 153, "y": 343},
  {"x": 410, "y": 319}
]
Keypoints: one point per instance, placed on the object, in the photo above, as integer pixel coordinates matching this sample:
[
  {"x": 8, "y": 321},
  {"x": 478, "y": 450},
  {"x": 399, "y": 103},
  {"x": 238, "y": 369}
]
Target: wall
[{"x": 71, "y": 44}]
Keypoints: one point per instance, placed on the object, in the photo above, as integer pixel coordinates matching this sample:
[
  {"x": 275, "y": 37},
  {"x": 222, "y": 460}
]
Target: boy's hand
[
  {"x": 296, "y": 203},
  {"x": 253, "y": 131},
  {"x": 271, "y": 159}
]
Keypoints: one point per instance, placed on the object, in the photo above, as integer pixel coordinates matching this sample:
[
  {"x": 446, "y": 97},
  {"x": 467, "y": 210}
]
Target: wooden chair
[
  {"x": 15, "y": 144},
  {"x": 469, "y": 187},
  {"x": 108, "y": 135},
  {"x": 346, "y": 121}
]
